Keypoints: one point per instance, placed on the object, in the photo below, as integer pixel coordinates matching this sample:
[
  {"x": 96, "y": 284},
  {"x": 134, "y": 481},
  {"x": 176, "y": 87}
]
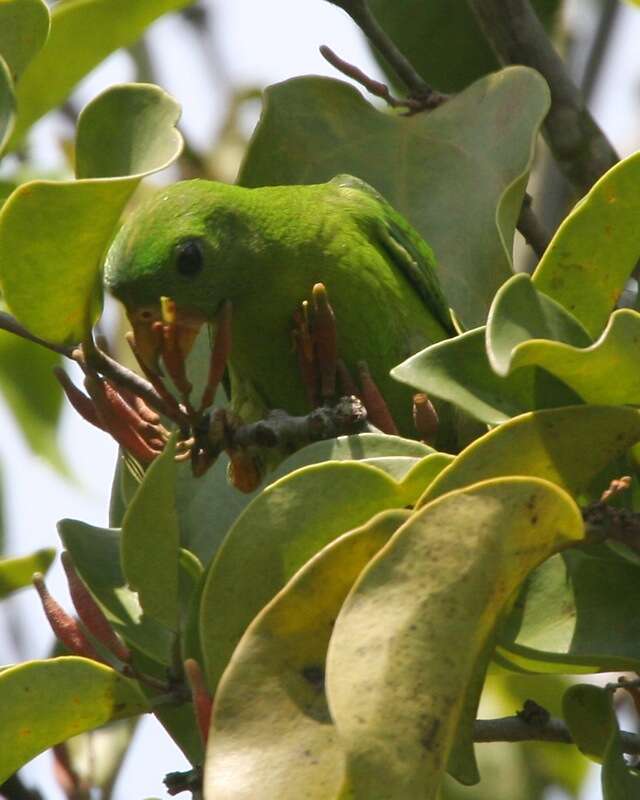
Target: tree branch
[
  {"x": 360, "y": 13},
  {"x": 516, "y": 34},
  {"x": 516, "y": 729},
  {"x": 532, "y": 229},
  {"x": 376, "y": 88},
  {"x": 622, "y": 525},
  {"x": 14, "y": 789},
  {"x": 11, "y": 325}
]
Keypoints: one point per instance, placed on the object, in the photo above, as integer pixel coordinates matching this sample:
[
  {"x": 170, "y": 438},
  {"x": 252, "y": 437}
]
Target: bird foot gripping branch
[{"x": 114, "y": 400}]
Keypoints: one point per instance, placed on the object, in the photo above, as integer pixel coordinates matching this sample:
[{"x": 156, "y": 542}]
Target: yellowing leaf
[
  {"x": 278, "y": 532},
  {"x": 415, "y": 628},
  {"x": 46, "y": 702},
  {"x": 282, "y": 744},
  {"x": 593, "y": 252},
  {"x": 567, "y": 446}
]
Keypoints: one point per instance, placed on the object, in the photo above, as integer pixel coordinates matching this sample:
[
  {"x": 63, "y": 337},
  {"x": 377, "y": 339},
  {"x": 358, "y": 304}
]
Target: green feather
[{"x": 264, "y": 249}]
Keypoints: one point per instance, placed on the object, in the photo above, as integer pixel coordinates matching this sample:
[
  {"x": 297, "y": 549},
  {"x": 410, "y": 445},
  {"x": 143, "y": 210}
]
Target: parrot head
[{"x": 171, "y": 247}]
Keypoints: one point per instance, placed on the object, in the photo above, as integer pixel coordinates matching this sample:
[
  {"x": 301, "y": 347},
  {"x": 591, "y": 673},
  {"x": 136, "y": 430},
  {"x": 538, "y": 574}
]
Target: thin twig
[
  {"x": 418, "y": 88},
  {"x": 14, "y": 789},
  {"x": 376, "y": 88},
  {"x": 11, "y": 324},
  {"x": 581, "y": 149},
  {"x": 515, "y": 729},
  {"x": 92, "y": 356}
]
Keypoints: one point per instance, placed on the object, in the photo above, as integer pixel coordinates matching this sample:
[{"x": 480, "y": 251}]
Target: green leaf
[
  {"x": 604, "y": 372},
  {"x": 593, "y": 252},
  {"x": 53, "y": 235},
  {"x": 151, "y": 538},
  {"x": 284, "y": 736},
  {"x": 208, "y": 506},
  {"x": 567, "y": 446},
  {"x": 428, "y": 166},
  {"x": 361, "y": 446},
  {"x": 407, "y": 642},
  {"x": 83, "y": 33},
  {"x": 16, "y": 573},
  {"x": 594, "y": 727},
  {"x": 128, "y": 130},
  {"x": 527, "y": 770},
  {"x": 539, "y": 356},
  {"x": 46, "y": 702},
  {"x": 589, "y": 713},
  {"x": 520, "y": 313},
  {"x": 422, "y": 473},
  {"x": 457, "y": 370},
  {"x": 96, "y": 556},
  {"x": 24, "y": 27},
  {"x": 7, "y": 104},
  {"x": 442, "y": 39},
  {"x": 278, "y": 532},
  {"x": 6, "y": 187},
  {"x": 33, "y": 394},
  {"x": 191, "y": 584},
  {"x": 576, "y": 614}
]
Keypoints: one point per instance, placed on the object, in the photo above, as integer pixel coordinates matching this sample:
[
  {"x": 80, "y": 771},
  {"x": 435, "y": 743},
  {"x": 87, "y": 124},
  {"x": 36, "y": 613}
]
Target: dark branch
[
  {"x": 14, "y": 789},
  {"x": 603, "y": 521},
  {"x": 191, "y": 781},
  {"x": 516, "y": 34},
  {"x": 279, "y": 429},
  {"x": 532, "y": 229},
  {"x": 11, "y": 324},
  {"x": 515, "y": 729}
]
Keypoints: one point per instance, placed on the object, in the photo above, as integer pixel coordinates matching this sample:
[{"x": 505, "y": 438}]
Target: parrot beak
[{"x": 149, "y": 338}]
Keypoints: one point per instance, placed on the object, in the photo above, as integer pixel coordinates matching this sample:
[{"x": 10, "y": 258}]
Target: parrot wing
[{"x": 405, "y": 248}]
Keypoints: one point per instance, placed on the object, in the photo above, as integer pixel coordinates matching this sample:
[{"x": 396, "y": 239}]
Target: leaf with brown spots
[{"x": 414, "y": 635}]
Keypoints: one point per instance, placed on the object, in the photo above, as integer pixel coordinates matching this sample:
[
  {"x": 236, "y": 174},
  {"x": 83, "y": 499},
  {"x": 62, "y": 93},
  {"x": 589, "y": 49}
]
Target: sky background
[{"x": 257, "y": 43}]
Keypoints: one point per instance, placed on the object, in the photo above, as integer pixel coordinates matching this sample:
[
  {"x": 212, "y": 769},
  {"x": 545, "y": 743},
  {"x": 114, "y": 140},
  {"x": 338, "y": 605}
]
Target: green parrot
[{"x": 203, "y": 243}]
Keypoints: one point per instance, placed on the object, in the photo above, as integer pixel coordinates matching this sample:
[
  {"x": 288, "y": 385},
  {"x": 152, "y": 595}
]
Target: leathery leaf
[{"x": 407, "y": 643}]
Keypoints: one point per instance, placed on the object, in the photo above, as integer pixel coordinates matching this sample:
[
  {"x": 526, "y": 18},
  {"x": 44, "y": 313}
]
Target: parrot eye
[{"x": 189, "y": 257}]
